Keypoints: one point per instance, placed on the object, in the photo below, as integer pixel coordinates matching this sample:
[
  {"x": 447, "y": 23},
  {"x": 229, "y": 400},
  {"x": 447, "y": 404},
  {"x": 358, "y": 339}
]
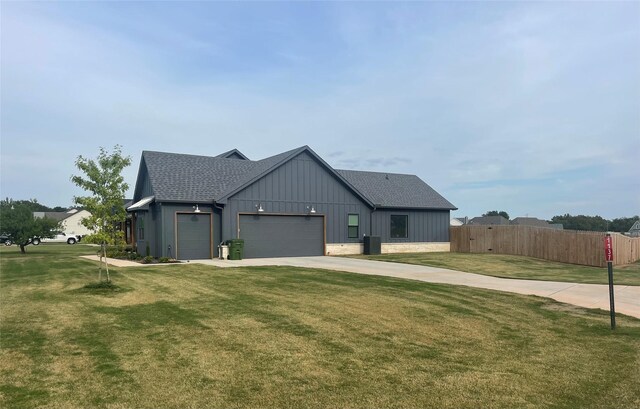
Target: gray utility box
[{"x": 372, "y": 245}]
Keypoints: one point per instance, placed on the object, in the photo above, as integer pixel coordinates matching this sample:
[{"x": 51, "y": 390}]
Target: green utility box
[{"x": 236, "y": 249}]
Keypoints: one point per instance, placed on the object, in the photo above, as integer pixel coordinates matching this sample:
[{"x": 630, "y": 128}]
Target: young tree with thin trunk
[{"x": 104, "y": 181}]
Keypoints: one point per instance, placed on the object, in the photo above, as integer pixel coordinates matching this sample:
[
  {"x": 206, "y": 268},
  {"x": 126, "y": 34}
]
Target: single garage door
[
  {"x": 282, "y": 236},
  {"x": 194, "y": 236}
]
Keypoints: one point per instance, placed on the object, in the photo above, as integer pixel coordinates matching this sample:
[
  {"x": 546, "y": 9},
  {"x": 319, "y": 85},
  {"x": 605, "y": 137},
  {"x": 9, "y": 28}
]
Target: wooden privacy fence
[{"x": 566, "y": 246}]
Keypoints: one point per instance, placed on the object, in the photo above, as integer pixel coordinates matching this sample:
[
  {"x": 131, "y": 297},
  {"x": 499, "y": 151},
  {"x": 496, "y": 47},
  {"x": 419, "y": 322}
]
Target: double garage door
[
  {"x": 282, "y": 236},
  {"x": 263, "y": 235}
]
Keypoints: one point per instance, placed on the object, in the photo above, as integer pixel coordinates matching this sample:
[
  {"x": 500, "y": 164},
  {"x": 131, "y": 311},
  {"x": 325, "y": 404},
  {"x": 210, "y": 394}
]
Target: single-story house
[
  {"x": 535, "y": 222},
  {"x": 290, "y": 204},
  {"x": 489, "y": 221},
  {"x": 70, "y": 221}
]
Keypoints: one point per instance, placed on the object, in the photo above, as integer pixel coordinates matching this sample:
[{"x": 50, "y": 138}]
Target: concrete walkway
[
  {"x": 584, "y": 295},
  {"x": 116, "y": 262}
]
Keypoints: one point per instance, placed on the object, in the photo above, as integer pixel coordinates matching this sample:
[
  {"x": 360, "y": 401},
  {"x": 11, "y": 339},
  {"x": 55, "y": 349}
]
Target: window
[
  {"x": 399, "y": 226},
  {"x": 353, "y": 226},
  {"x": 140, "y": 229}
]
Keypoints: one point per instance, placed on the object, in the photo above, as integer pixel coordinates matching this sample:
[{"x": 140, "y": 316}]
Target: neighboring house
[
  {"x": 535, "y": 222},
  {"x": 489, "y": 221},
  {"x": 530, "y": 221},
  {"x": 291, "y": 204},
  {"x": 459, "y": 221},
  {"x": 634, "y": 231},
  {"x": 70, "y": 221}
]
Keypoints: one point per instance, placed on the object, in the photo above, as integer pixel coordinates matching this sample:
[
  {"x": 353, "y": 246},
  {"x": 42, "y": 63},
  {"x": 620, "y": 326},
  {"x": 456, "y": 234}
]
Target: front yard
[
  {"x": 507, "y": 266},
  {"x": 183, "y": 336}
]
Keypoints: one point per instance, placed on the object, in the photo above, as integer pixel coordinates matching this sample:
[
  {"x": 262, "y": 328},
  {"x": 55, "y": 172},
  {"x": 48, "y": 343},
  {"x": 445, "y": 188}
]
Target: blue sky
[{"x": 532, "y": 108}]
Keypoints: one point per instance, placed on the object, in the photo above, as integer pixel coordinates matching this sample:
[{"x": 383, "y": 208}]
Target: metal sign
[{"x": 608, "y": 248}]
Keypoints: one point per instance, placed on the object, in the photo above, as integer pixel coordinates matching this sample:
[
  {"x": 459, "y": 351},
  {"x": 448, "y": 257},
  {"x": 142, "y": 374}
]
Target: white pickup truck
[{"x": 58, "y": 238}]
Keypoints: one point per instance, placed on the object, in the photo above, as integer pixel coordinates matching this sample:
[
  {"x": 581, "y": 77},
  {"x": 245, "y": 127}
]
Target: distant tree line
[
  {"x": 594, "y": 223},
  {"x": 582, "y": 222},
  {"x": 33, "y": 205}
]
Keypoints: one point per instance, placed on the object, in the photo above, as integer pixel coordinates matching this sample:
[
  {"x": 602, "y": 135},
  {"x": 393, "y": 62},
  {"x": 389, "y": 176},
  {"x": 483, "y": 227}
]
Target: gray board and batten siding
[
  {"x": 287, "y": 184},
  {"x": 292, "y": 189}
]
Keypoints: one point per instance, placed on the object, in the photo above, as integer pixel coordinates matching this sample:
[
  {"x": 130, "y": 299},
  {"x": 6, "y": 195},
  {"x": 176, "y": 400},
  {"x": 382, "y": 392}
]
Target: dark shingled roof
[
  {"x": 180, "y": 177},
  {"x": 489, "y": 220},
  {"x": 530, "y": 221},
  {"x": 396, "y": 190},
  {"x": 57, "y": 216}
]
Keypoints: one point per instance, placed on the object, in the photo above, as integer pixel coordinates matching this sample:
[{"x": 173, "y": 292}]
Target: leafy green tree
[
  {"x": 497, "y": 213},
  {"x": 581, "y": 222},
  {"x": 623, "y": 224},
  {"x": 31, "y": 204},
  {"x": 104, "y": 181},
  {"x": 16, "y": 220}
]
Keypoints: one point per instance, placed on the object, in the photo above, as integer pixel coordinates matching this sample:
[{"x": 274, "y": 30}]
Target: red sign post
[
  {"x": 608, "y": 255},
  {"x": 608, "y": 248}
]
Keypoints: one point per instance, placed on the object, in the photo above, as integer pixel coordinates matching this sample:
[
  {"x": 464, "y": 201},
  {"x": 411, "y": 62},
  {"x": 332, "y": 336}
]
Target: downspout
[
  {"x": 371, "y": 220},
  {"x": 221, "y": 208}
]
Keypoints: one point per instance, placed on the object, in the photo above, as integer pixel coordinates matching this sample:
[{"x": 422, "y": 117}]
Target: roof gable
[
  {"x": 233, "y": 154},
  {"x": 276, "y": 161}
]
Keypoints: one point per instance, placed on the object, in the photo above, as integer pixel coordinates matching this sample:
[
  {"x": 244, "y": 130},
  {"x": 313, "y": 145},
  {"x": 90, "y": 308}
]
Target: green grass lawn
[
  {"x": 193, "y": 336},
  {"x": 500, "y": 265}
]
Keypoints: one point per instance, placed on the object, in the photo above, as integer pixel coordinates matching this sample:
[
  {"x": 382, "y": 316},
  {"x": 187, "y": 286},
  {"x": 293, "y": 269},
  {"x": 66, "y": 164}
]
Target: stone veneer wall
[
  {"x": 341, "y": 249},
  {"x": 338, "y": 249},
  {"x": 414, "y": 247}
]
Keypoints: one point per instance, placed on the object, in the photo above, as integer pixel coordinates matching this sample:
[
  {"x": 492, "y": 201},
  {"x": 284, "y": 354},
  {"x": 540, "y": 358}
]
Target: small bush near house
[{"x": 147, "y": 260}]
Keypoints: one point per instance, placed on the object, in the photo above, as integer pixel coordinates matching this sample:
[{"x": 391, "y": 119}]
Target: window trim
[
  {"x": 349, "y": 225},
  {"x": 140, "y": 226},
  {"x": 406, "y": 217}
]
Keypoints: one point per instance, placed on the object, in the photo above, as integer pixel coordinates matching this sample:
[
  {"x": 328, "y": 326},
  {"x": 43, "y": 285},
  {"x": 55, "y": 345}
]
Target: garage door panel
[
  {"x": 282, "y": 236},
  {"x": 194, "y": 236}
]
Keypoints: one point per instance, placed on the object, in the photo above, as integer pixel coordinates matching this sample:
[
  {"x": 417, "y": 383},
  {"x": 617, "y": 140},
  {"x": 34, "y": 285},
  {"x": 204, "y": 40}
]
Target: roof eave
[{"x": 381, "y": 207}]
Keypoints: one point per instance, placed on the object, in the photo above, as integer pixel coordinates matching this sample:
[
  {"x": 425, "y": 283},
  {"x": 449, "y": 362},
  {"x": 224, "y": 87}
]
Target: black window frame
[
  {"x": 349, "y": 226},
  {"x": 406, "y": 226}
]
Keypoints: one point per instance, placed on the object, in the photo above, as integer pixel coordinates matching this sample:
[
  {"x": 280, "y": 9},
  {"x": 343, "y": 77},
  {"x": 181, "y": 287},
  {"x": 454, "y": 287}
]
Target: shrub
[
  {"x": 147, "y": 260},
  {"x": 164, "y": 260},
  {"x": 134, "y": 256}
]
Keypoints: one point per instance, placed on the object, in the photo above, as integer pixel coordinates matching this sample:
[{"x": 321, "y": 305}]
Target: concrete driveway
[{"x": 584, "y": 295}]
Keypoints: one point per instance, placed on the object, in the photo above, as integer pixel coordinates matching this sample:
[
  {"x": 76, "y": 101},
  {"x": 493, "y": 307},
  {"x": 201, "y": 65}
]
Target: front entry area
[
  {"x": 281, "y": 236},
  {"x": 193, "y": 231}
]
